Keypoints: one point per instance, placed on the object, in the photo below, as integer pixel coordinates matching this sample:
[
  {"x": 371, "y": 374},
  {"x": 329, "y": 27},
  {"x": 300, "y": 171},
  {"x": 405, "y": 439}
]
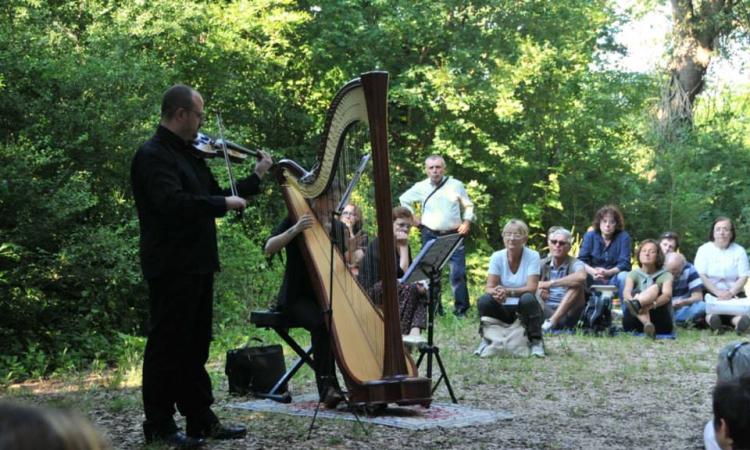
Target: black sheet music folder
[{"x": 432, "y": 257}]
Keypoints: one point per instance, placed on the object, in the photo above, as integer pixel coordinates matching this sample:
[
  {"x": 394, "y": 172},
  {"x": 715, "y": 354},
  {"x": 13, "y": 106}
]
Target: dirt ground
[{"x": 619, "y": 392}]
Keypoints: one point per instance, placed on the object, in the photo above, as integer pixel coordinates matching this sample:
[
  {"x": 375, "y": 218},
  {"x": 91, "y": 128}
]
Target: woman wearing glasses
[
  {"x": 723, "y": 267},
  {"x": 605, "y": 250},
  {"x": 412, "y": 297},
  {"x": 351, "y": 216},
  {"x": 512, "y": 280}
]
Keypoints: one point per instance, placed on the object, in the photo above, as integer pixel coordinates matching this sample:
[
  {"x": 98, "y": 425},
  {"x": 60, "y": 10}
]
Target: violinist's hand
[
  {"x": 235, "y": 202},
  {"x": 263, "y": 164},
  {"x": 304, "y": 222}
]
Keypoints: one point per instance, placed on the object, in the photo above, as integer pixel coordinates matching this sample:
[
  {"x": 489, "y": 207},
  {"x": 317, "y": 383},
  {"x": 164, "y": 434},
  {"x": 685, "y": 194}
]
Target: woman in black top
[{"x": 412, "y": 297}]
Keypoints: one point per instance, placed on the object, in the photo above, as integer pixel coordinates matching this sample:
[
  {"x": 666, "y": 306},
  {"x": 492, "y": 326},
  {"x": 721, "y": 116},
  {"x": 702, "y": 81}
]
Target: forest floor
[{"x": 589, "y": 392}]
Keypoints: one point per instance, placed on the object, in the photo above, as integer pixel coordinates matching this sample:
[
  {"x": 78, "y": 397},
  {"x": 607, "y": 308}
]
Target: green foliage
[
  {"x": 248, "y": 280},
  {"x": 699, "y": 177}
]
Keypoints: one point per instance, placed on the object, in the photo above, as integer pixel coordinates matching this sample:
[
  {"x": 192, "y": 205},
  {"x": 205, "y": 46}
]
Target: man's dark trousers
[
  {"x": 177, "y": 349},
  {"x": 457, "y": 264}
]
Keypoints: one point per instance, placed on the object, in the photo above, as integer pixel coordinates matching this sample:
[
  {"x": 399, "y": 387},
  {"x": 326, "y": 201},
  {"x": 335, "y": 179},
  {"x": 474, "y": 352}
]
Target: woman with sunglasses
[{"x": 512, "y": 280}]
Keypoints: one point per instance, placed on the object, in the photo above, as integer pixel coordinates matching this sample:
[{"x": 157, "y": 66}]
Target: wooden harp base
[{"x": 401, "y": 390}]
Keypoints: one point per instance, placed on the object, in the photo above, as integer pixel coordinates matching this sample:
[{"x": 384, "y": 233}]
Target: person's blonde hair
[{"x": 517, "y": 223}]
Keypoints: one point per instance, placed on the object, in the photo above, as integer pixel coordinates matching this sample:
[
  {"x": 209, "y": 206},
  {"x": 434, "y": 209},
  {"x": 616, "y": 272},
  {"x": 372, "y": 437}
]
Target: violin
[{"x": 207, "y": 147}]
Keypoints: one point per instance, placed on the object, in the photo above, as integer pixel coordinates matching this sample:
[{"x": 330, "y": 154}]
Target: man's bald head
[{"x": 674, "y": 263}]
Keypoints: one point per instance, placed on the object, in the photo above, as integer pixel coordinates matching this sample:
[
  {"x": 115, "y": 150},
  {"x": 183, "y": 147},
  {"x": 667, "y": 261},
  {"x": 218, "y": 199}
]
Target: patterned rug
[{"x": 411, "y": 417}]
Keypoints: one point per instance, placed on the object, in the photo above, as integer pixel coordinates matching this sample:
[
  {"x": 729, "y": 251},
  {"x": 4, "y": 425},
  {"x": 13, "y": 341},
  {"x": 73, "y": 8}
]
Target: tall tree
[{"x": 698, "y": 26}]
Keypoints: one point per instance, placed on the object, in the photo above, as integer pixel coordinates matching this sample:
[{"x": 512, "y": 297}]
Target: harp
[{"x": 366, "y": 338}]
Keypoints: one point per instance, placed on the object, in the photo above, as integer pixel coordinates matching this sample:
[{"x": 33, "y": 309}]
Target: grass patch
[{"x": 585, "y": 383}]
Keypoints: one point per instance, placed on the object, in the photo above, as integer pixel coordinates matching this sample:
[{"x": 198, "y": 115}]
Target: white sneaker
[
  {"x": 538, "y": 350},
  {"x": 413, "y": 339},
  {"x": 547, "y": 326}
]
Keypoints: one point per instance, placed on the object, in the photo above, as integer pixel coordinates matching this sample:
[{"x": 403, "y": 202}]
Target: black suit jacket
[{"x": 178, "y": 199}]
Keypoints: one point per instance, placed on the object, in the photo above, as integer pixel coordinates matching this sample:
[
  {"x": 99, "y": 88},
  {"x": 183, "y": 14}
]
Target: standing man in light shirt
[{"x": 445, "y": 209}]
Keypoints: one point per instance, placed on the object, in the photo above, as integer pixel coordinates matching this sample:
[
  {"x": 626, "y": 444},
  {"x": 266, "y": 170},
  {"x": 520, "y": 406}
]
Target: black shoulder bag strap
[
  {"x": 732, "y": 352},
  {"x": 442, "y": 183}
]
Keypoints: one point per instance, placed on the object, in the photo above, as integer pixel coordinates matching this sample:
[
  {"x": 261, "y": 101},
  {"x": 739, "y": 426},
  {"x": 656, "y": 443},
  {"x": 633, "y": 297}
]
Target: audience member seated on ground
[
  {"x": 562, "y": 283},
  {"x": 733, "y": 365},
  {"x": 412, "y": 297},
  {"x": 669, "y": 242},
  {"x": 731, "y": 405},
  {"x": 687, "y": 291},
  {"x": 724, "y": 269},
  {"x": 605, "y": 250},
  {"x": 512, "y": 280},
  {"x": 648, "y": 293},
  {"x": 351, "y": 216},
  {"x": 30, "y": 428}
]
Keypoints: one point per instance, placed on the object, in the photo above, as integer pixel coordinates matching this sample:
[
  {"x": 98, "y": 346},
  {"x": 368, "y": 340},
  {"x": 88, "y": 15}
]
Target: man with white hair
[
  {"x": 687, "y": 291},
  {"x": 563, "y": 281},
  {"x": 445, "y": 209}
]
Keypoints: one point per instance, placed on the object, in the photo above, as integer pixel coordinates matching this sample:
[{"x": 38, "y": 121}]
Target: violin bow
[{"x": 232, "y": 183}]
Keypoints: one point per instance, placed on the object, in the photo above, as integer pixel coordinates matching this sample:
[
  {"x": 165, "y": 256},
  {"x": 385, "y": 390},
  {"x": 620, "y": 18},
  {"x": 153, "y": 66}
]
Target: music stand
[{"x": 427, "y": 266}]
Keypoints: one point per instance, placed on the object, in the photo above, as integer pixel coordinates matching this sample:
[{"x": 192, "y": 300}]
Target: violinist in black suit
[{"x": 178, "y": 200}]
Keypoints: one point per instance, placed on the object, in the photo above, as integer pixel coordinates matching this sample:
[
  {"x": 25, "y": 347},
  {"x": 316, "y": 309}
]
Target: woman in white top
[
  {"x": 512, "y": 280},
  {"x": 724, "y": 269}
]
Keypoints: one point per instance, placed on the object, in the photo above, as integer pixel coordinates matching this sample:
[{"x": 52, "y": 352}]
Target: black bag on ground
[
  {"x": 255, "y": 369},
  {"x": 597, "y": 315},
  {"x": 734, "y": 361}
]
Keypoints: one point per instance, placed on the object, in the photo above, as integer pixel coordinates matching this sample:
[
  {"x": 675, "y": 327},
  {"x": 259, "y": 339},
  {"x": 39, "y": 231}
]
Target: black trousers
[
  {"x": 661, "y": 317},
  {"x": 528, "y": 310},
  {"x": 179, "y": 337},
  {"x": 306, "y": 312}
]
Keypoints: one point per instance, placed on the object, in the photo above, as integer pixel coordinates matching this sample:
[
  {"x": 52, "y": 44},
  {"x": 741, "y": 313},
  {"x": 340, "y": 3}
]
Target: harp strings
[{"x": 352, "y": 234}]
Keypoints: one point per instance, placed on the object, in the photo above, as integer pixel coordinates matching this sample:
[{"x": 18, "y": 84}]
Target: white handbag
[{"x": 500, "y": 338}]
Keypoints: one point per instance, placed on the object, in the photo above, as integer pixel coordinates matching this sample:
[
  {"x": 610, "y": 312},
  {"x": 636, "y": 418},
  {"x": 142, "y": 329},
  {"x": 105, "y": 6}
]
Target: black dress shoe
[
  {"x": 176, "y": 439},
  {"x": 219, "y": 431}
]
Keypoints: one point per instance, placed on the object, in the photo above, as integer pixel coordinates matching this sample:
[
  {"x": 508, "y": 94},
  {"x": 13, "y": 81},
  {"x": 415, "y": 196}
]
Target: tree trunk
[{"x": 695, "y": 35}]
